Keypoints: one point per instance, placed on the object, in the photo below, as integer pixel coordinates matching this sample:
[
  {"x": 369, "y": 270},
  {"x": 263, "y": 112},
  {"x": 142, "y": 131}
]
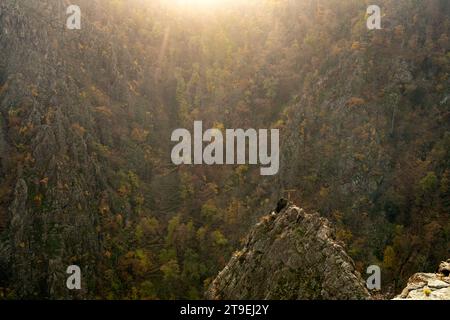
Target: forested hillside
[{"x": 87, "y": 116}]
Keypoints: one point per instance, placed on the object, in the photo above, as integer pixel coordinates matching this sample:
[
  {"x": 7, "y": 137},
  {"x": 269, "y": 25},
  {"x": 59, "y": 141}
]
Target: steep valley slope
[{"x": 86, "y": 118}]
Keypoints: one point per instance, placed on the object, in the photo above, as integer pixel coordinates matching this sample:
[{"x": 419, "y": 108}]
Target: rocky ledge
[{"x": 428, "y": 286}]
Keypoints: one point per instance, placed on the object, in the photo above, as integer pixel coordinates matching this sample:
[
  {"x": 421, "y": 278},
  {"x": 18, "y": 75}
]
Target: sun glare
[{"x": 203, "y": 4}]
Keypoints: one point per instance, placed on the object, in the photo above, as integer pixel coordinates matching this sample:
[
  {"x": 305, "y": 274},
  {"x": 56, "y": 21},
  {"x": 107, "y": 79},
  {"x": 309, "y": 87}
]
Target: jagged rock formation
[
  {"x": 428, "y": 286},
  {"x": 292, "y": 255}
]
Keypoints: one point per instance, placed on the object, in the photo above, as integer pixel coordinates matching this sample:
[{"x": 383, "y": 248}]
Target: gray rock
[
  {"x": 428, "y": 286},
  {"x": 444, "y": 268},
  {"x": 293, "y": 255},
  {"x": 438, "y": 284}
]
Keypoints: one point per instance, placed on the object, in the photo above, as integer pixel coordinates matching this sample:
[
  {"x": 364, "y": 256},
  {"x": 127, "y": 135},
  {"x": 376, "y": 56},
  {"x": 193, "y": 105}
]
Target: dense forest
[{"x": 86, "y": 118}]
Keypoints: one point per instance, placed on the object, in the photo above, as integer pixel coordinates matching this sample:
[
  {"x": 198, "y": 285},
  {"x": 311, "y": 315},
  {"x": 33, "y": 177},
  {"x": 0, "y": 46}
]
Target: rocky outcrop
[
  {"x": 290, "y": 255},
  {"x": 428, "y": 286}
]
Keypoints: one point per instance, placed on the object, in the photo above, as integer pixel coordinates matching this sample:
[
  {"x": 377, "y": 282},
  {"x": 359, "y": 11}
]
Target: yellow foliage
[
  {"x": 34, "y": 92},
  {"x": 3, "y": 88},
  {"x": 104, "y": 111},
  {"x": 355, "y": 102},
  {"x": 25, "y": 129},
  {"x": 123, "y": 190},
  {"x": 389, "y": 257},
  {"x": 139, "y": 135},
  {"x": 344, "y": 235},
  {"x": 356, "y": 46},
  {"x": 38, "y": 200},
  {"x": 323, "y": 192},
  {"x": 78, "y": 129}
]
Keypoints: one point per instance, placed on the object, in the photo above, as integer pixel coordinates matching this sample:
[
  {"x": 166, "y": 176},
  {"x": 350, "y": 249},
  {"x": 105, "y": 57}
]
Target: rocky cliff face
[
  {"x": 47, "y": 167},
  {"x": 61, "y": 93},
  {"x": 290, "y": 255},
  {"x": 428, "y": 286}
]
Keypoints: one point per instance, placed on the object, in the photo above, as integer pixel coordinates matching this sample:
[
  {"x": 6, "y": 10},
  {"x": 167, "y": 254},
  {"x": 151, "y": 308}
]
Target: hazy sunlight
[{"x": 204, "y": 4}]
